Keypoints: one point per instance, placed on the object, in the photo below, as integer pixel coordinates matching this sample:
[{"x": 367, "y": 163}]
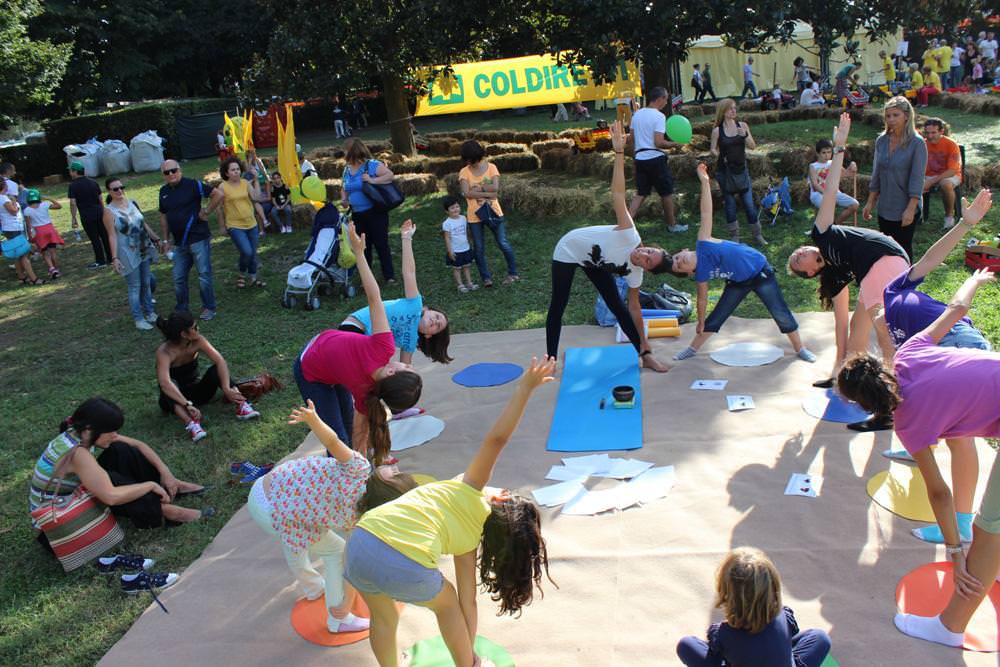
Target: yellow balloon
[{"x": 313, "y": 188}]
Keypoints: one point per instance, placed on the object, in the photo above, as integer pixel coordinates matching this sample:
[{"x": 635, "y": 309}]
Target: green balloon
[
  {"x": 313, "y": 188},
  {"x": 679, "y": 129}
]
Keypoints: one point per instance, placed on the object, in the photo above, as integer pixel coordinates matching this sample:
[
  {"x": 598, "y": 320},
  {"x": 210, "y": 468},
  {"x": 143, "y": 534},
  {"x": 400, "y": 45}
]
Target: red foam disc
[
  {"x": 925, "y": 592},
  {"x": 309, "y": 620}
]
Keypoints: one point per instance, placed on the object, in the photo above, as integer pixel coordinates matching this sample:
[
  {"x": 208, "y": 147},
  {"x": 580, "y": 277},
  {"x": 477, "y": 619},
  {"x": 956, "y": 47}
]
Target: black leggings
[
  {"x": 375, "y": 227},
  {"x": 562, "y": 281},
  {"x": 98, "y": 236},
  {"x": 901, "y": 235},
  {"x": 198, "y": 392}
]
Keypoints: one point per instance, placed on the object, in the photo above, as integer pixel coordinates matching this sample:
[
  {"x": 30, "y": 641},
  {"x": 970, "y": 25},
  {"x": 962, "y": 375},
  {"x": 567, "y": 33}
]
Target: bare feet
[
  {"x": 649, "y": 361},
  {"x": 180, "y": 514}
]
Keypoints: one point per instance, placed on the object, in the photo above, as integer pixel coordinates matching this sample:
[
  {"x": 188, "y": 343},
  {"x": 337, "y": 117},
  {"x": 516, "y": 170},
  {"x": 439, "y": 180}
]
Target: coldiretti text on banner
[{"x": 521, "y": 82}]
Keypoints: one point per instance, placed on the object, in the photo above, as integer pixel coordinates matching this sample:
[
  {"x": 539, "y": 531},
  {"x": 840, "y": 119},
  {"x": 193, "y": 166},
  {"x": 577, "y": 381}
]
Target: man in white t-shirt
[
  {"x": 649, "y": 126},
  {"x": 748, "y": 75},
  {"x": 988, "y": 46}
]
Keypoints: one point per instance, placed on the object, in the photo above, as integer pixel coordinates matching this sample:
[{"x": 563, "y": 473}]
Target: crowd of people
[{"x": 381, "y": 535}]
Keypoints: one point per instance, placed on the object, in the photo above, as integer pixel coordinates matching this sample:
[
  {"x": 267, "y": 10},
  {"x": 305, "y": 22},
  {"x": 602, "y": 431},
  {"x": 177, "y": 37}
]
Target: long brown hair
[
  {"x": 721, "y": 109},
  {"x": 398, "y": 391},
  {"x": 748, "y": 589},
  {"x": 865, "y": 380},
  {"x": 379, "y": 491},
  {"x": 513, "y": 557},
  {"x": 436, "y": 346},
  {"x": 357, "y": 152}
]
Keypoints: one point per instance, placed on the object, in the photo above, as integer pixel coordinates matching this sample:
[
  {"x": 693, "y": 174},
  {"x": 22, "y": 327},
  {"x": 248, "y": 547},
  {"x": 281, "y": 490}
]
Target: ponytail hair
[
  {"x": 399, "y": 391},
  {"x": 176, "y": 324},
  {"x": 97, "y": 414},
  {"x": 513, "y": 557},
  {"x": 865, "y": 380},
  {"x": 379, "y": 491}
]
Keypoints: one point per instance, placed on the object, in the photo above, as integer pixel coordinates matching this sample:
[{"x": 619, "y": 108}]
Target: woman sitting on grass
[
  {"x": 393, "y": 552},
  {"x": 121, "y": 472},
  {"x": 311, "y": 503},
  {"x": 744, "y": 269},
  {"x": 181, "y": 390},
  {"x": 413, "y": 325}
]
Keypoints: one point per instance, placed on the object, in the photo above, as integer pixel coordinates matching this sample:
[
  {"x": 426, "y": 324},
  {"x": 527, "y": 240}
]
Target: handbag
[
  {"x": 488, "y": 216},
  {"x": 384, "y": 197},
  {"x": 255, "y": 387},
  {"x": 345, "y": 255},
  {"x": 16, "y": 247},
  {"x": 79, "y": 528},
  {"x": 734, "y": 183}
]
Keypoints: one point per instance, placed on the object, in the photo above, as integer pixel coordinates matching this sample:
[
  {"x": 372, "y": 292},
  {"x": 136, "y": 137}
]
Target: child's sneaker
[
  {"x": 245, "y": 411},
  {"x": 472, "y": 287},
  {"x": 463, "y": 289},
  {"x": 108, "y": 564},
  {"x": 143, "y": 325},
  {"x": 196, "y": 432}
]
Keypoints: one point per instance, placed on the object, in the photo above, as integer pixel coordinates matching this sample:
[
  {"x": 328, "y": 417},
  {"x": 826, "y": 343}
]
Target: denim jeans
[
  {"x": 334, "y": 403},
  {"x": 963, "y": 336},
  {"x": 140, "y": 291},
  {"x": 500, "y": 235},
  {"x": 198, "y": 254},
  {"x": 279, "y": 215},
  {"x": 729, "y": 205},
  {"x": 245, "y": 241},
  {"x": 766, "y": 287},
  {"x": 748, "y": 85},
  {"x": 956, "y": 75}
]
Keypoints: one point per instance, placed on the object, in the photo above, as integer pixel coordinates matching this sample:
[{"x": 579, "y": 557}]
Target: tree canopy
[{"x": 32, "y": 69}]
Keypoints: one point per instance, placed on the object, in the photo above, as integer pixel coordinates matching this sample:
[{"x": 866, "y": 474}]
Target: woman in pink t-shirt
[
  {"x": 343, "y": 371},
  {"x": 937, "y": 392}
]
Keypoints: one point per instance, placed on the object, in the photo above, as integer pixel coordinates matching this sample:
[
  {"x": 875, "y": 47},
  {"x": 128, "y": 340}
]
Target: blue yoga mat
[
  {"x": 830, "y": 406},
  {"x": 487, "y": 375},
  {"x": 650, "y": 312},
  {"x": 579, "y": 424}
]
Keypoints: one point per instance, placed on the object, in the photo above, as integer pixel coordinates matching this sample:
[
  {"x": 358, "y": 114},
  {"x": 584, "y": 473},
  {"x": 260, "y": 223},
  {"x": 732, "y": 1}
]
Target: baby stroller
[
  {"x": 776, "y": 201},
  {"x": 319, "y": 273}
]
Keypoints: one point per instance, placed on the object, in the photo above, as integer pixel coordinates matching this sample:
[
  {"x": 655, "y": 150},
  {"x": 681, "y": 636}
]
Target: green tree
[{"x": 32, "y": 69}]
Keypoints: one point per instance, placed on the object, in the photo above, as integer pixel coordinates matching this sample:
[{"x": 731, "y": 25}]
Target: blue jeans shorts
[
  {"x": 966, "y": 337},
  {"x": 372, "y": 566}
]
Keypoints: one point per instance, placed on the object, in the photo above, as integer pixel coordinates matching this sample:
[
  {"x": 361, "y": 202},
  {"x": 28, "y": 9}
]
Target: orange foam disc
[
  {"x": 925, "y": 592},
  {"x": 309, "y": 620}
]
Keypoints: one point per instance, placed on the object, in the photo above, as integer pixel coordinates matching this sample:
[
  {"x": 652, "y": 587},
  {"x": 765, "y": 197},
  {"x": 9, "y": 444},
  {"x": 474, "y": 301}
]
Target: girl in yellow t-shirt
[
  {"x": 238, "y": 219},
  {"x": 393, "y": 552}
]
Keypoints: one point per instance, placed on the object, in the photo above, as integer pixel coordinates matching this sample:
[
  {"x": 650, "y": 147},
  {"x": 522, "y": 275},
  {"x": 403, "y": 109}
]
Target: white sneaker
[
  {"x": 245, "y": 411},
  {"x": 196, "y": 432},
  {"x": 143, "y": 325},
  {"x": 677, "y": 229},
  {"x": 151, "y": 318},
  {"x": 949, "y": 222}
]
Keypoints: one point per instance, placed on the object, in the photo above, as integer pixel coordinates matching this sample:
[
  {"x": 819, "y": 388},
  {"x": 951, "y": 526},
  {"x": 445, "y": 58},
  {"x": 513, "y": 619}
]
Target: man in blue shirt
[{"x": 187, "y": 222}]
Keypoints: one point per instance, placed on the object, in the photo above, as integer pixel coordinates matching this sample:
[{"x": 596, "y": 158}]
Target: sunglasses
[
  {"x": 167, "y": 172},
  {"x": 120, "y": 188}
]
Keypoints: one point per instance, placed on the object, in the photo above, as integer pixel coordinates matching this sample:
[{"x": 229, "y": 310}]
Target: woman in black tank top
[{"x": 730, "y": 139}]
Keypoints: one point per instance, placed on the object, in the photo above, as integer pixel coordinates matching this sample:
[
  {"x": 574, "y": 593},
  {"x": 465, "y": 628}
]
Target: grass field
[{"x": 74, "y": 338}]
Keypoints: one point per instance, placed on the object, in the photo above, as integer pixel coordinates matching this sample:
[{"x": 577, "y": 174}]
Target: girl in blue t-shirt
[
  {"x": 757, "y": 630},
  {"x": 413, "y": 325},
  {"x": 743, "y": 268}
]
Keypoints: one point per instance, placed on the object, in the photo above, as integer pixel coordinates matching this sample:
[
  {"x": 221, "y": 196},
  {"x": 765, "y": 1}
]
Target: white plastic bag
[
  {"x": 87, "y": 155},
  {"x": 147, "y": 151},
  {"x": 115, "y": 157}
]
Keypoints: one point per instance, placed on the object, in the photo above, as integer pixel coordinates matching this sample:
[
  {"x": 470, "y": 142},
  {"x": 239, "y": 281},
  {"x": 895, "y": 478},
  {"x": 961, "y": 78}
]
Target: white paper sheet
[
  {"x": 594, "y": 502},
  {"x": 557, "y": 494},
  {"x": 709, "y": 385},
  {"x": 803, "y": 484},
  {"x": 564, "y": 474},
  {"x": 625, "y": 468},
  {"x": 590, "y": 464},
  {"x": 650, "y": 485},
  {"x": 739, "y": 402}
]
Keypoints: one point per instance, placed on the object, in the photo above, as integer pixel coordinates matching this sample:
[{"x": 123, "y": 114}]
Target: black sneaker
[
  {"x": 152, "y": 582},
  {"x": 824, "y": 384},
  {"x": 93, "y": 266},
  {"x": 876, "y": 423},
  {"x": 108, "y": 564}
]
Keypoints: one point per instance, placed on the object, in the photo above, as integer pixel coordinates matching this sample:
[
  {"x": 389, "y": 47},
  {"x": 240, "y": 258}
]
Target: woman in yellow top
[
  {"x": 238, "y": 218},
  {"x": 888, "y": 69},
  {"x": 480, "y": 182},
  {"x": 394, "y": 549}
]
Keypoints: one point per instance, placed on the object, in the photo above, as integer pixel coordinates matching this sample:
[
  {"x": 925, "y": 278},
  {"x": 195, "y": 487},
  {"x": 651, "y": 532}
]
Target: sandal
[
  {"x": 511, "y": 279},
  {"x": 36, "y": 281},
  {"x": 241, "y": 282},
  {"x": 487, "y": 283},
  {"x": 197, "y": 492},
  {"x": 259, "y": 283}
]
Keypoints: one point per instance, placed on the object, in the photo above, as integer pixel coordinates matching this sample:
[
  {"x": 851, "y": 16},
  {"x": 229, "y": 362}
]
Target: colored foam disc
[
  {"x": 432, "y": 652},
  {"x": 309, "y": 620},
  {"x": 902, "y": 491}
]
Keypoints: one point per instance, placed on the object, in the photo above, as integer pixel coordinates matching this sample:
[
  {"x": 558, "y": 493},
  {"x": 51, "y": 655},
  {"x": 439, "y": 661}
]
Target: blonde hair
[
  {"x": 722, "y": 108},
  {"x": 910, "y": 129},
  {"x": 748, "y": 589}
]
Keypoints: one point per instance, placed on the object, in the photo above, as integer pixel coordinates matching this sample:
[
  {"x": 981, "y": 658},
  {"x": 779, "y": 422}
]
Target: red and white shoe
[
  {"x": 245, "y": 411},
  {"x": 196, "y": 432}
]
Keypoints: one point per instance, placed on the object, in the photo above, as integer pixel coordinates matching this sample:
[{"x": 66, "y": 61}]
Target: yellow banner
[{"x": 521, "y": 82}]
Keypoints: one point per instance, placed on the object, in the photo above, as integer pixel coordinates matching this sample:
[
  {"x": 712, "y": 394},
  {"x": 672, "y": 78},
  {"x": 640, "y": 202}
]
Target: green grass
[{"x": 68, "y": 340}]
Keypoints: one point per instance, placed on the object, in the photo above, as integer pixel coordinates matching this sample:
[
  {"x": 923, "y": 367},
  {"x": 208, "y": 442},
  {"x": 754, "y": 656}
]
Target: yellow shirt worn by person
[
  {"x": 943, "y": 63},
  {"x": 933, "y": 80},
  {"x": 473, "y": 204},
  {"x": 237, "y": 206},
  {"x": 917, "y": 80},
  {"x": 930, "y": 59},
  {"x": 888, "y": 69},
  {"x": 433, "y": 520}
]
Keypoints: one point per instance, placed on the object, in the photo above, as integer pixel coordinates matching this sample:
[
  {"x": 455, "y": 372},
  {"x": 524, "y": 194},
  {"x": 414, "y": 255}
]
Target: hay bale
[
  {"x": 439, "y": 166},
  {"x": 556, "y": 158},
  {"x": 792, "y": 162},
  {"x": 452, "y": 186},
  {"x": 747, "y": 105},
  {"x": 863, "y": 153},
  {"x": 973, "y": 180},
  {"x": 334, "y": 188},
  {"x": 328, "y": 167},
  {"x": 709, "y": 109},
  {"x": 458, "y": 135},
  {"x": 502, "y": 149},
  {"x": 774, "y": 116},
  {"x": 684, "y": 166},
  {"x": 443, "y": 146},
  {"x": 411, "y": 165},
  {"x": 759, "y": 164},
  {"x": 991, "y": 175},
  {"x": 324, "y": 151},
  {"x": 541, "y": 147},
  {"x": 699, "y": 143},
  {"x": 413, "y": 185},
  {"x": 799, "y": 190},
  {"x": 704, "y": 129},
  {"x": 542, "y": 201},
  {"x": 691, "y": 111},
  {"x": 513, "y": 162},
  {"x": 302, "y": 215},
  {"x": 753, "y": 118}
]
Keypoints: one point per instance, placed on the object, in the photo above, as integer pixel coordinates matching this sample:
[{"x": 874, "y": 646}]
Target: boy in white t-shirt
[
  {"x": 458, "y": 252},
  {"x": 818, "y": 171}
]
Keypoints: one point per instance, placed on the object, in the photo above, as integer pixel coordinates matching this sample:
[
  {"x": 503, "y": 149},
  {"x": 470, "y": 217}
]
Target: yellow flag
[{"x": 288, "y": 160}]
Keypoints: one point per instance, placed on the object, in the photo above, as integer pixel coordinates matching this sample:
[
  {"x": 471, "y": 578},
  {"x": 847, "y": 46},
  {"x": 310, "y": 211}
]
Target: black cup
[{"x": 623, "y": 393}]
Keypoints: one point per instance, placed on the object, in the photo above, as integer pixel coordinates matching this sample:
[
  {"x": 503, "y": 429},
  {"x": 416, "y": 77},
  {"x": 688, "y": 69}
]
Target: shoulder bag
[
  {"x": 16, "y": 247},
  {"x": 734, "y": 182},
  {"x": 384, "y": 197}
]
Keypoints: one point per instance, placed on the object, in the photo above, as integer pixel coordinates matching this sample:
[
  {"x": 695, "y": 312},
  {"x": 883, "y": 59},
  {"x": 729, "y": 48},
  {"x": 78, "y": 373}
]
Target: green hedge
[
  {"x": 129, "y": 121},
  {"x": 34, "y": 161}
]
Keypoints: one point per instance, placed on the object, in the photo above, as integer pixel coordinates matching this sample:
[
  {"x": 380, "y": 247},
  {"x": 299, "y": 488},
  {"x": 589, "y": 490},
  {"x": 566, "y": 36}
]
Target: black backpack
[{"x": 667, "y": 298}]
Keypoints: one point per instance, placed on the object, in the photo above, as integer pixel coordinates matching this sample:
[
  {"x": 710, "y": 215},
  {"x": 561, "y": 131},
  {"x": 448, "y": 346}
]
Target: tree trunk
[{"x": 397, "y": 113}]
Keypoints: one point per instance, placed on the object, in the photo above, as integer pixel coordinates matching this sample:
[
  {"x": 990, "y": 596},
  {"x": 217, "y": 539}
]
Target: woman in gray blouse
[
  {"x": 897, "y": 183},
  {"x": 131, "y": 251}
]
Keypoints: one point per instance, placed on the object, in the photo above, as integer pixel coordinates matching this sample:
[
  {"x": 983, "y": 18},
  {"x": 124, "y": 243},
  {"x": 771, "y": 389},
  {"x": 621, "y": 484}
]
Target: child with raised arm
[
  {"x": 743, "y": 268},
  {"x": 413, "y": 324},
  {"x": 842, "y": 254},
  {"x": 757, "y": 631},
  {"x": 393, "y": 552}
]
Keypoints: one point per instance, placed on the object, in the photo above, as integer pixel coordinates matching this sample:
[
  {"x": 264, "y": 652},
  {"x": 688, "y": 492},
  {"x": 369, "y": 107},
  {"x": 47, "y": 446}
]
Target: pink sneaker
[
  {"x": 350, "y": 623},
  {"x": 196, "y": 432},
  {"x": 245, "y": 411}
]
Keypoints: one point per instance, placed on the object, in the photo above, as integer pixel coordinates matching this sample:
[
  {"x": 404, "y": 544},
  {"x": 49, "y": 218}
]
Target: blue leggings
[
  {"x": 809, "y": 649},
  {"x": 765, "y": 285},
  {"x": 334, "y": 404}
]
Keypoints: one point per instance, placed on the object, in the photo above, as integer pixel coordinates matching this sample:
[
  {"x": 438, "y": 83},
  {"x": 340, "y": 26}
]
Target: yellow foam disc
[{"x": 902, "y": 491}]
